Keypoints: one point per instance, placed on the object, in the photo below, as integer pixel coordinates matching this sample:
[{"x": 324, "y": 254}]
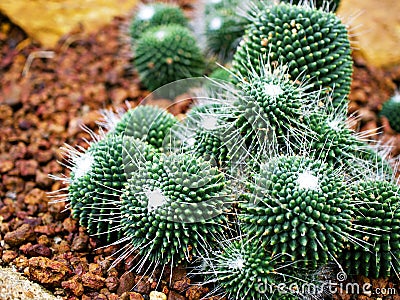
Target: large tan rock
[
  {"x": 47, "y": 20},
  {"x": 376, "y": 28}
]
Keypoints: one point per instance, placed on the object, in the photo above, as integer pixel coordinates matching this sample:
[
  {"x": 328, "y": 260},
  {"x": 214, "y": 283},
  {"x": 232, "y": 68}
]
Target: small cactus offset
[
  {"x": 299, "y": 207},
  {"x": 391, "y": 110},
  {"x": 173, "y": 205},
  {"x": 155, "y": 14},
  {"x": 147, "y": 123},
  {"x": 97, "y": 179},
  {"x": 331, "y": 5},
  {"x": 313, "y": 44},
  {"x": 374, "y": 250},
  {"x": 167, "y": 53}
]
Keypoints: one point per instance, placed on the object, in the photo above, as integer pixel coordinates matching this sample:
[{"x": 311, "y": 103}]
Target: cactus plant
[
  {"x": 223, "y": 28},
  {"x": 331, "y": 5},
  {"x": 97, "y": 178},
  {"x": 206, "y": 132},
  {"x": 300, "y": 207},
  {"x": 313, "y": 44},
  {"x": 155, "y": 14},
  {"x": 338, "y": 145},
  {"x": 269, "y": 106},
  {"x": 375, "y": 250},
  {"x": 391, "y": 110},
  {"x": 167, "y": 53},
  {"x": 145, "y": 122},
  {"x": 173, "y": 205},
  {"x": 242, "y": 269}
]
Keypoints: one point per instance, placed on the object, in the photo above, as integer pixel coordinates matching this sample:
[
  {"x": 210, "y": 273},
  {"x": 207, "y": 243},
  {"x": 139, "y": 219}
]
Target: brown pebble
[
  {"x": 6, "y": 165},
  {"x": 175, "y": 296},
  {"x": 8, "y": 256},
  {"x": 35, "y": 196},
  {"x": 23, "y": 234},
  {"x": 46, "y": 271},
  {"x": 70, "y": 225},
  {"x": 74, "y": 286},
  {"x": 112, "y": 283},
  {"x": 39, "y": 250},
  {"x": 93, "y": 281},
  {"x": 195, "y": 292},
  {"x": 113, "y": 297},
  {"x": 131, "y": 296},
  {"x": 181, "y": 285},
  {"x": 27, "y": 167},
  {"x": 126, "y": 283},
  {"x": 80, "y": 243}
]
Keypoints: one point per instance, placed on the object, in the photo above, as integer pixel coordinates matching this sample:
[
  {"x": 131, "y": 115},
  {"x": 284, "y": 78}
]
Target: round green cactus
[
  {"x": 224, "y": 28},
  {"x": 148, "y": 123},
  {"x": 173, "y": 205},
  {"x": 331, "y": 5},
  {"x": 391, "y": 110},
  {"x": 333, "y": 141},
  {"x": 375, "y": 249},
  {"x": 97, "y": 179},
  {"x": 243, "y": 270},
  {"x": 299, "y": 207},
  {"x": 155, "y": 14},
  {"x": 269, "y": 106},
  {"x": 313, "y": 44},
  {"x": 167, "y": 53}
]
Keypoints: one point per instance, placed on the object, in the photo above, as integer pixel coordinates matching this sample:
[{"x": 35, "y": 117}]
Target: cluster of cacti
[
  {"x": 165, "y": 49},
  {"x": 391, "y": 111},
  {"x": 268, "y": 159}
]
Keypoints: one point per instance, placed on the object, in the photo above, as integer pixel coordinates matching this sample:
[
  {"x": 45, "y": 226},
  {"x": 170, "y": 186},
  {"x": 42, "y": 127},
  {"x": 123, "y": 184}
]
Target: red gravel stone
[
  {"x": 21, "y": 235},
  {"x": 46, "y": 271}
]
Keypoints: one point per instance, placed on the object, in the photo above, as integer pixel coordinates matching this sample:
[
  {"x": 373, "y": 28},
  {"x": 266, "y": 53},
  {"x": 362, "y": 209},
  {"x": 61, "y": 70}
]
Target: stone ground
[{"x": 42, "y": 107}]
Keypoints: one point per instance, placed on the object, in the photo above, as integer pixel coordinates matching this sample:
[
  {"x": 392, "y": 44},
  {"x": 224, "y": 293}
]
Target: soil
[{"x": 43, "y": 105}]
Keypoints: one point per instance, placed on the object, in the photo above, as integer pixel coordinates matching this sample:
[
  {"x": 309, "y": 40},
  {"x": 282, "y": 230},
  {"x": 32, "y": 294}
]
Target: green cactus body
[
  {"x": 167, "y": 53},
  {"x": 299, "y": 207},
  {"x": 375, "y": 249},
  {"x": 173, "y": 205},
  {"x": 331, "y": 5},
  {"x": 97, "y": 180},
  {"x": 269, "y": 107},
  {"x": 244, "y": 270},
  {"x": 224, "y": 27},
  {"x": 334, "y": 142},
  {"x": 148, "y": 123},
  {"x": 205, "y": 133},
  {"x": 391, "y": 110},
  {"x": 312, "y": 43},
  {"x": 221, "y": 74},
  {"x": 155, "y": 14}
]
